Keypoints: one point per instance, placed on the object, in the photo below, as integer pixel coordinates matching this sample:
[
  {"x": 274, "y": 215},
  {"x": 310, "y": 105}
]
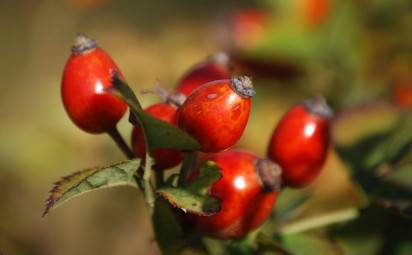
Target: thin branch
[
  {"x": 120, "y": 142},
  {"x": 147, "y": 186}
]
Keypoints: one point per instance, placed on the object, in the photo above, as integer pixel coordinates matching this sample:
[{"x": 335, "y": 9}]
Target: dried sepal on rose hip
[
  {"x": 301, "y": 140},
  {"x": 215, "y": 67},
  {"x": 164, "y": 158},
  {"x": 216, "y": 113},
  {"x": 247, "y": 192},
  {"x": 86, "y": 78}
]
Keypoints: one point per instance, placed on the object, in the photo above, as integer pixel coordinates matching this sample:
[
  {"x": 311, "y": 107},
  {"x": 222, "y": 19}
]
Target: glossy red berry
[
  {"x": 301, "y": 140},
  {"x": 86, "y": 77},
  {"x": 164, "y": 158},
  {"x": 216, "y": 114},
  {"x": 216, "y": 67},
  {"x": 247, "y": 193}
]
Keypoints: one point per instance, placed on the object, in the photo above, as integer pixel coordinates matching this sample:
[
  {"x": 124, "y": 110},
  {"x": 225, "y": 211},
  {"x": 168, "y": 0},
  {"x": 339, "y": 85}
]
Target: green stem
[
  {"x": 319, "y": 221},
  {"x": 147, "y": 186},
  {"x": 120, "y": 142},
  {"x": 188, "y": 162}
]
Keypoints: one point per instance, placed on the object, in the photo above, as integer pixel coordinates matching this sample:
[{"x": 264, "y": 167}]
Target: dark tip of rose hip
[
  {"x": 243, "y": 86},
  {"x": 269, "y": 174},
  {"x": 317, "y": 105},
  {"x": 116, "y": 81},
  {"x": 83, "y": 43}
]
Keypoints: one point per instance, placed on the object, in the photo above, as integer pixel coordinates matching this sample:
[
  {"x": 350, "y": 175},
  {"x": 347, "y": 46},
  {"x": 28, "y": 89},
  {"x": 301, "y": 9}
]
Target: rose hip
[
  {"x": 301, "y": 140},
  {"x": 247, "y": 192},
  {"x": 216, "y": 114},
  {"x": 86, "y": 78}
]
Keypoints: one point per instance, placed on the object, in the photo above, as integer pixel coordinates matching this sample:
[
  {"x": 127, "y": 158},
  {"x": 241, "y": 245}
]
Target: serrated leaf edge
[{"x": 52, "y": 202}]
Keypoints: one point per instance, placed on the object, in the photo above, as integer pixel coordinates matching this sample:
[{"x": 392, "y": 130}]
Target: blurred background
[{"x": 355, "y": 53}]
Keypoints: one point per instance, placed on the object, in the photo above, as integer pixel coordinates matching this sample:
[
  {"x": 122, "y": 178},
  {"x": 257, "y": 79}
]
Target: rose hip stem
[{"x": 120, "y": 142}]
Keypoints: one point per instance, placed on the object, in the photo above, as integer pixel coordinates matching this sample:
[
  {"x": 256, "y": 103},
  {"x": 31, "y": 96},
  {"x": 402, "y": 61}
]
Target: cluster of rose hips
[{"x": 213, "y": 107}]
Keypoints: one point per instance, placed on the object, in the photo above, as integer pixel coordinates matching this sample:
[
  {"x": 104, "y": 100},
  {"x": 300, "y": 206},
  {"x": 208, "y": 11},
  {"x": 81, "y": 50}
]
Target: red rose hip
[
  {"x": 301, "y": 140},
  {"x": 247, "y": 193},
  {"x": 216, "y": 67},
  {"x": 164, "y": 158},
  {"x": 86, "y": 77},
  {"x": 216, "y": 114}
]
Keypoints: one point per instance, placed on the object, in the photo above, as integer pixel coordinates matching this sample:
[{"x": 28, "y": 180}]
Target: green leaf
[
  {"x": 373, "y": 160},
  {"x": 208, "y": 174},
  {"x": 394, "y": 147},
  {"x": 376, "y": 231},
  {"x": 401, "y": 176},
  {"x": 304, "y": 244},
  {"x": 355, "y": 154},
  {"x": 404, "y": 248},
  {"x": 214, "y": 246},
  {"x": 360, "y": 244},
  {"x": 168, "y": 231},
  {"x": 387, "y": 192},
  {"x": 190, "y": 201},
  {"x": 159, "y": 134},
  {"x": 290, "y": 203},
  {"x": 361, "y": 121},
  {"x": 194, "y": 198},
  {"x": 267, "y": 245},
  {"x": 239, "y": 248},
  {"x": 163, "y": 135},
  {"x": 91, "y": 179},
  {"x": 363, "y": 235},
  {"x": 123, "y": 91},
  {"x": 245, "y": 245}
]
